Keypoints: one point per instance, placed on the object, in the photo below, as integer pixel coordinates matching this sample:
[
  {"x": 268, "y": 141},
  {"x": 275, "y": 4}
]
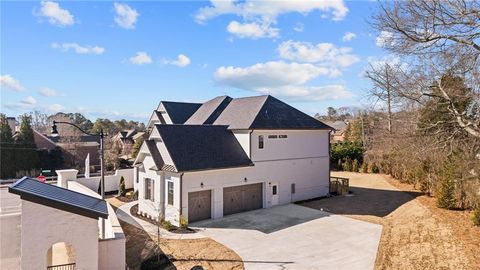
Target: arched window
[{"x": 61, "y": 256}]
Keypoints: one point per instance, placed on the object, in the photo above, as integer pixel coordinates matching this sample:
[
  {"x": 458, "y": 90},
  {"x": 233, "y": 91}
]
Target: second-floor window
[
  {"x": 260, "y": 142},
  {"x": 170, "y": 193}
]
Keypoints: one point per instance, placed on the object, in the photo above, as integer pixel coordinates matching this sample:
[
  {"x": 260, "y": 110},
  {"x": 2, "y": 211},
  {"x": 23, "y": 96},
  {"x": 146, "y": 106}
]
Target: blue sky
[{"x": 119, "y": 59}]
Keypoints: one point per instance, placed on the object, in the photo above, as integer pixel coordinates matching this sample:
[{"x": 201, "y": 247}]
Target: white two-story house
[{"x": 230, "y": 156}]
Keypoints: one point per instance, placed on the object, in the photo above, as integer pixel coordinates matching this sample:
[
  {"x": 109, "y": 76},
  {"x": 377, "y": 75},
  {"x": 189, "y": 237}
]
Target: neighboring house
[
  {"x": 169, "y": 112},
  {"x": 230, "y": 156},
  {"x": 126, "y": 139},
  {"x": 339, "y": 126},
  {"x": 75, "y": 148}
]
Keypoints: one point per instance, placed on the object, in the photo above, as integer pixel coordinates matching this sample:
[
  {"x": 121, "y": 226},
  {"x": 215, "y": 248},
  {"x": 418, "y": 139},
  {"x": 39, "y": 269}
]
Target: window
[
  {"x": 148, "y": 194},
  {"x": 170, "y": 193},
  {"x": 282, "y": 136},
  {"x": 272, "y": 136},
  {"x": 274, "y": 190},
  {"x": 260, "y": 142},
  {"x": 293, "y": 188}
]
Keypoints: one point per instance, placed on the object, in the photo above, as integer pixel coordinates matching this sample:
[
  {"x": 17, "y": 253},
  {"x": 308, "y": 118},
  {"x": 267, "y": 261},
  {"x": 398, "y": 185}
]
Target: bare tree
[{"x": 441, "y": 37}]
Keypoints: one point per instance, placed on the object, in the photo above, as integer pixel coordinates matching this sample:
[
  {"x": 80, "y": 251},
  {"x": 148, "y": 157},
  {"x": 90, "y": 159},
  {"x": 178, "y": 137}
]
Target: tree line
[
  {"x": 19, "y": 155},
  {"x": 425, "y": 125}
]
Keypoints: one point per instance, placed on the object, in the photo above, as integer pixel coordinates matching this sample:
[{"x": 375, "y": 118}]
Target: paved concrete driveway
[{"x": 296, "y": 237}]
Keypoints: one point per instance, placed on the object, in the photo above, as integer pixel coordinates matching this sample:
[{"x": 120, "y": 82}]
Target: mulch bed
[{"x": 174, "y": 229}]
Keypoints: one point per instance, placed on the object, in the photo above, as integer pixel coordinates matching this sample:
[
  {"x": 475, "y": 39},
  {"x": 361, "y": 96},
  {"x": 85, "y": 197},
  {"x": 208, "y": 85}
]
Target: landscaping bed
[{"x": 164, "y": 224}]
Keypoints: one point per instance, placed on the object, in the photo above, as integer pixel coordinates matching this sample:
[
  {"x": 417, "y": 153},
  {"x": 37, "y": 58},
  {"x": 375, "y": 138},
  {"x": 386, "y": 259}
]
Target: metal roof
[{"x": 35, "y": 191}]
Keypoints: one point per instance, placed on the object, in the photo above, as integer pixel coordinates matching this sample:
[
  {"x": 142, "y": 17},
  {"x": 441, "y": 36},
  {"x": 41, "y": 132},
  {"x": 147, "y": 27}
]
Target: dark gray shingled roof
[
  {"x": 265, "y": 112},
  {"x": 179, "y": 112},
  {"x": 209, "y": 111},
  {"x": 60, "y": 198},
  {"x": 202, "y": 147},
  {"x": 157, "y": 158}
]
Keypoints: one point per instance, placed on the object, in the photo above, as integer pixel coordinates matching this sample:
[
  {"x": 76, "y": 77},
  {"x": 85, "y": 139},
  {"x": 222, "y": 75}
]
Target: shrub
[
  {"x": 446, "y": 193},
  {"x": 167, "y": 225},
  {"x": 135, "y": 195},
  {"x": 347, "y": 165},
  {"x": 355, "y": 165},
  {"x": 339, "y": 165},
  {"x": 346, "y": 150},
  {"x": 121, "y": 188},
  {"x": 364, "y": 168},
  {"x": 375, "y": 168},
  {"x": 183, "y": 222},
  {"x": 476, "y": 216}
]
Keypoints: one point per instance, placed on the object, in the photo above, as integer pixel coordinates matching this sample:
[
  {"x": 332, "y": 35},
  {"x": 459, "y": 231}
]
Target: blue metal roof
[{"x": 60, "y": 198}]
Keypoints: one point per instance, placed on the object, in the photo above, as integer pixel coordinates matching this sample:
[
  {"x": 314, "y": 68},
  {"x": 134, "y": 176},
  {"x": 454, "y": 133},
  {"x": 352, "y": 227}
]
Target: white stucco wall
[
  {"x": 299, "y": 144},
  {"x": 310, "y": 176},
  {"x": 43, "y": 226},
  {"x": 111, "y": 249},
  {"x": 150, "y": 207},
  {"x": 112, "y": 182}
]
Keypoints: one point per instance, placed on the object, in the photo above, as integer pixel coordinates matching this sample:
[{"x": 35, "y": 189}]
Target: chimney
[{"x": 12, "y": 123}]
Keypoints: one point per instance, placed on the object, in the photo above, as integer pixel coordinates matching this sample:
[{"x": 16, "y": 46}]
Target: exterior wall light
[
  {"x": 245, "y": 179},
  {"x": 201, "y": 184}
]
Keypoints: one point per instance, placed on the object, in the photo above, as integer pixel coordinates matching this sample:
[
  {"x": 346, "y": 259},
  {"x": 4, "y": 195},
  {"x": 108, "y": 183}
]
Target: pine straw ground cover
[{"x": 416, "y": 234}]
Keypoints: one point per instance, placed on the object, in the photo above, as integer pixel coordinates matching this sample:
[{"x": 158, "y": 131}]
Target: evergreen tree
[
  {"x": 364, "y": 167},
  {"x": 355, "y": 165},
  {"x": 27, "y": 157},
  {"x": 136, "y": 147},
  {"x": 7, "y": 154},
  {"x": 121, "y": 188},
  {"x": 446, "y": 191}
]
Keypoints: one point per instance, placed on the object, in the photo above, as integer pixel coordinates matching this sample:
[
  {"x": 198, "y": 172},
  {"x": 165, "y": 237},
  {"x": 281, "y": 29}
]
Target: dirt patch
[
  {"x": 416, "y": 234},
  {"x": 140, "y": 247},
  {"x": 202, "y": 253}
]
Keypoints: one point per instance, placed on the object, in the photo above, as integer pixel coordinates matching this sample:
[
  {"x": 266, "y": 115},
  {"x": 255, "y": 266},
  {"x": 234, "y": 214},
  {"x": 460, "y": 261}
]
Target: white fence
[{"x": 111, "y": 181}]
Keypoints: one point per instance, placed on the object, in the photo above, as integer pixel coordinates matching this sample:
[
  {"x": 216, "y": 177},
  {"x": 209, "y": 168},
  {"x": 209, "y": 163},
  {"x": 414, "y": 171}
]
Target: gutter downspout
[{"x": 181, "y": 195}]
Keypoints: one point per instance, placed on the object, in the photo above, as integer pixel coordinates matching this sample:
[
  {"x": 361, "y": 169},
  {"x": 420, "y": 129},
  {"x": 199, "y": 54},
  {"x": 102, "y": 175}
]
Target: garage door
[
  {"x": 242, "y": 198},
  {"x": 199, "y": 205}
]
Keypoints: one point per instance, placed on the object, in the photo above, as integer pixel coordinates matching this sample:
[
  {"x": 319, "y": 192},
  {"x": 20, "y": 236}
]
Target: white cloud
[
  {"x": 384, "y": 39},
  {"x": 47, "y": 92},
  {"x": 78, "y": 48},
  {"x": 141, "y": 58},
  {"x": 323, "y": 53},
  {"x": 181, "y": 61},
  {"x": 266, "y": 12},
  {"x": 55, "y": 108},
  {"x": 298, "y": 27},
  {"x": 271, "y": 74},
  {"x": 270, "y": 10},
  {"x": 126, "y": 16},
  {"x": 7, "y": 81},
  {"x": 310, "y": 93},
  {"x": 281, "y": 79},
  {"x": 29, "y": 101},
  {"x": 349, "y": 36},
  {"x": 251, "y": 30},
  {"x": 55, "y": 14}
]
